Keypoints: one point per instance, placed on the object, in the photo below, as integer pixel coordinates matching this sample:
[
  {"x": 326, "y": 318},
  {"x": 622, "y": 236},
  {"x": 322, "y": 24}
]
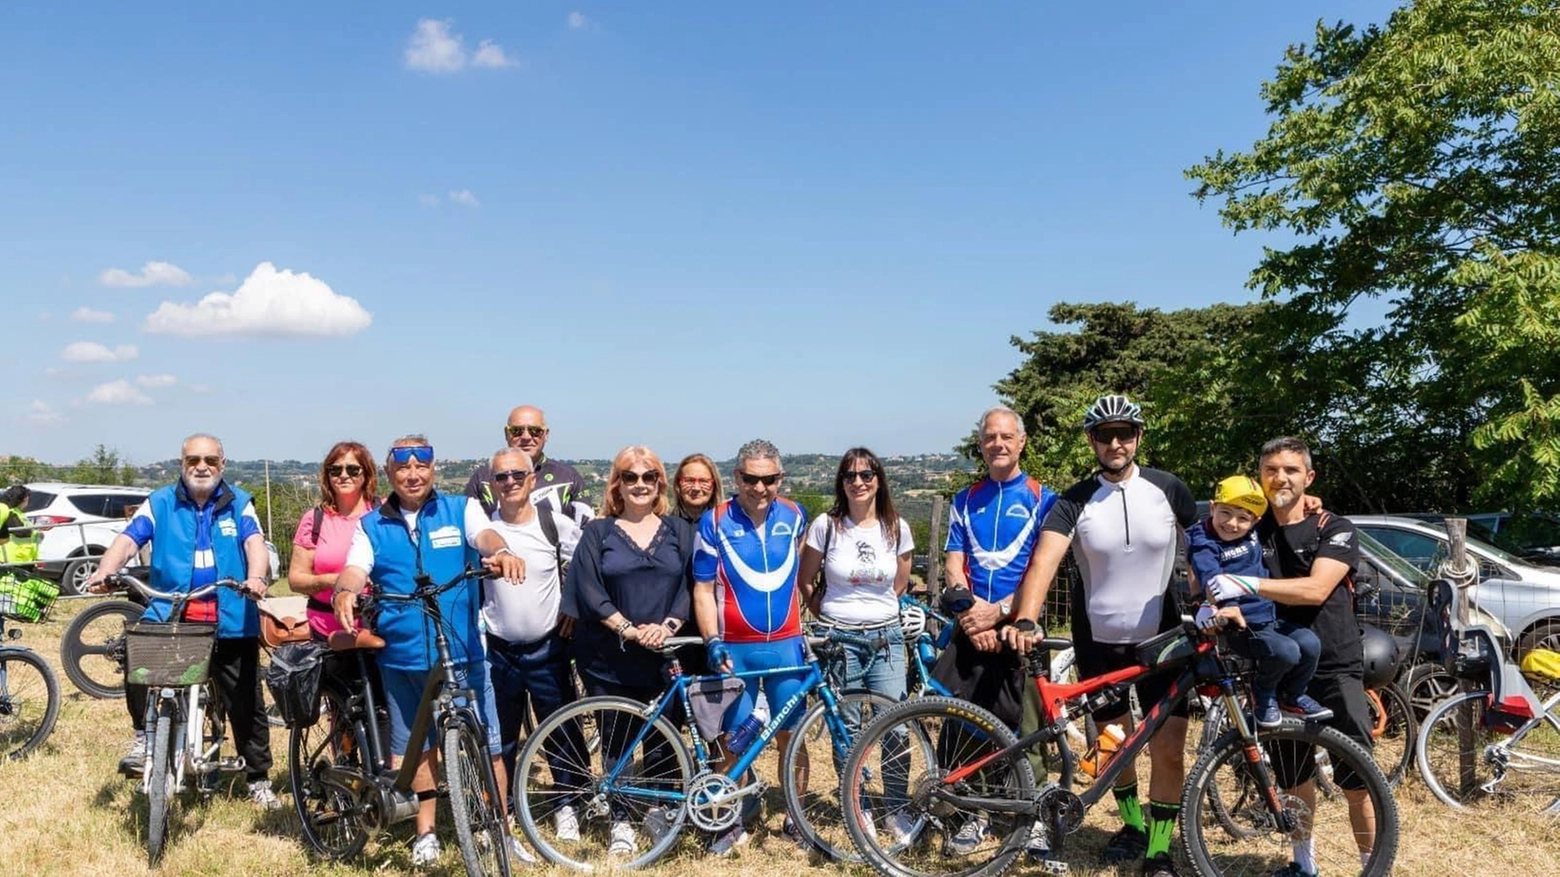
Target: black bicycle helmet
[
  {"x": 1381, "y": 656},
  {"x": 1113, "y": 409}
]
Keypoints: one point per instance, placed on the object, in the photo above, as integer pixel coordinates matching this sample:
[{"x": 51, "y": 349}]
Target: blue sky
[{"x": 683, "y": 225}]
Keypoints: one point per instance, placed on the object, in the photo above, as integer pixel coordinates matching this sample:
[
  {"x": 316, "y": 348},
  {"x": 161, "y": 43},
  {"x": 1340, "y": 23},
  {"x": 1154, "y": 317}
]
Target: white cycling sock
[
  {"x": 1365, "y": 856},
  {"x": 1305, "y": 855}
]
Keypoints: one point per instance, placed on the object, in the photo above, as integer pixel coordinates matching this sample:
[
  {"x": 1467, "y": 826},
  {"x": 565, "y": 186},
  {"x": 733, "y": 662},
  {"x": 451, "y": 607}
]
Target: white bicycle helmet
[
  {"x": 1113, "y": 409},
  {"x": 913, "y": 619}
]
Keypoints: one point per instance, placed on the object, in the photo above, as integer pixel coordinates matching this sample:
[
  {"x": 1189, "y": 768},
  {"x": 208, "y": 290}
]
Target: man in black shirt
[
  {"x": 1311, "y": 559},
  {"x": 557, "y": 485}
]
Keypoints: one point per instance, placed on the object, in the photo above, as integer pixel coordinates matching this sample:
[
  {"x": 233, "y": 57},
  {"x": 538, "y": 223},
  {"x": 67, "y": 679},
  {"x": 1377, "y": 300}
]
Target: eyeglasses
[
  {"x": 515, "y": 475},
  {"x": 696, "y": 482},
  {"x": 518, "y": 431},
  {"x": 335, "y": 470},
  {"x": 766, "y": 480},
  {"x": 407, "y": 453},
  {"x": 865, "y": 475},
  {"x": 631, "y": 477},
  {"x": 212, "y": 460},
  {"x": 1106, "y": 434}
]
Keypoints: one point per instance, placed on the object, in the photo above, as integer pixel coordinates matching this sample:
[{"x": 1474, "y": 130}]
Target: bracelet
[
  {"x": 504, "y": 550},
  {"x": 622, "y": 627}
]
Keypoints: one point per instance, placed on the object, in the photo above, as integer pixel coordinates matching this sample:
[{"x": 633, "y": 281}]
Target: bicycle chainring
[
  {"x": 1061, "y": 809},
  {"x": 709, "y": 808}
]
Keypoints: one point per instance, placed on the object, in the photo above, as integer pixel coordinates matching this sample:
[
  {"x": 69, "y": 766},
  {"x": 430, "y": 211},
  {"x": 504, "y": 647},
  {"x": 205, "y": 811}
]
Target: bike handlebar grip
[{"x": 677, "y": 642}]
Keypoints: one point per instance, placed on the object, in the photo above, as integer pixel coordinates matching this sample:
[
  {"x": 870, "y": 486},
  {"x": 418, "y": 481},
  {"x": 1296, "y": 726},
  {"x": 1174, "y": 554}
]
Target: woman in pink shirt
[{"x": 347, "y": 492}]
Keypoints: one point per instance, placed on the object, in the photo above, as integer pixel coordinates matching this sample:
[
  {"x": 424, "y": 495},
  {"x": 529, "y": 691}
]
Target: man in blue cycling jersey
[
  {"x": 745, "y": 596},
  {"x": 992, "y": 528}
]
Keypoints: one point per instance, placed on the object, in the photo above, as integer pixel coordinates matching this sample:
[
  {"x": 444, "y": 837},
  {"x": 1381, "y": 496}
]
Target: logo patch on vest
[
  {"x": 781, "y": 528},
  {"x": 445, "y": 537},
  {"x": 227, "y": 527}
]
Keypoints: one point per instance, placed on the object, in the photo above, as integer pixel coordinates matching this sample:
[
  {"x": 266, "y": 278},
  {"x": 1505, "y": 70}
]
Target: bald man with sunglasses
[{"x": 556, "y": 484}]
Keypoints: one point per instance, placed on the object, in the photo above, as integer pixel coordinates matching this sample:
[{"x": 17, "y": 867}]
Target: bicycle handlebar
[
  {"x": 427, "y": 588},
  {"x": 199, "y": 593}
]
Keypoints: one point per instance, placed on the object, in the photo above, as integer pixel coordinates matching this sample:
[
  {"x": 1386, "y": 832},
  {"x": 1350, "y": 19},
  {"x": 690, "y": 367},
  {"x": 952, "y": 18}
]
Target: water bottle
[
  {"x": 747, "y": 731},
  {"x": 926, "y": 652},
  {"x": 1111, "y": 738}
]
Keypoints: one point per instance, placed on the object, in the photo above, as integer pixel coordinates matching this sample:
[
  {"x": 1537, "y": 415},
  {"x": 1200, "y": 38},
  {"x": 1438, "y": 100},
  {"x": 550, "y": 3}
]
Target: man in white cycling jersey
[{"x": 1124, "y": 527}]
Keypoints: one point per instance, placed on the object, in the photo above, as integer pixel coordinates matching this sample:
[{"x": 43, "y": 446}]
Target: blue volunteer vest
[
  {"x": 439, "y": 551},
  {"x": 178, "y": 522}
]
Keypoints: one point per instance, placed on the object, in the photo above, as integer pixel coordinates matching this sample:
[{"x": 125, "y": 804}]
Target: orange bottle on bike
[{"x": 1110, "y": 740}]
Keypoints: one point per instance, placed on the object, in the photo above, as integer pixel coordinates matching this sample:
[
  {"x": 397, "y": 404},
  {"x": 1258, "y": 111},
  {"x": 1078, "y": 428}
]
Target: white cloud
[
  {"x": 580, "y": 21},
  {"x": 91, "y": 351},
  {"x": 119, "y": 392},
  {"x": 490, "y": 55},
  {"x": 433, "y": 49},
  {"x": 85, "y": 314},
  {"x": 464, "y": 198},
  {"x": 154, "y": 381},
  {"x": 152, "y": 274},
  {"x": 40, "y": 412},
  {"x": 268, "y": 302}
]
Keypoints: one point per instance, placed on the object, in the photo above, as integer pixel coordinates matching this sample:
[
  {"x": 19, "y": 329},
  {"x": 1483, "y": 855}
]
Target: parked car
[
  {"x": 1532, "y": 536},
  {"x": 78, "y": 521},
  {"x": 1525, "y": 597}
]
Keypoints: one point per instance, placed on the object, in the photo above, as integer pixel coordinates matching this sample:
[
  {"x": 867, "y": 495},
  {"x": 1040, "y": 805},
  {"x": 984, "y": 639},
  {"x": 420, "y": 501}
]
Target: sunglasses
[
  {"x": 865, "y": 475},
  {"x": 696, "y": 482},
  {"x": 515, "y": 475},
  {"x": 335, "y": 470},
  {"x": 1106, "y": 434},
  {"x": 766, "y": 480},
  {"x": 212, "y": 460},
  {"x": 518, "y": 431},
  {"x": 631, "y": 477},
  {"x": 404, "y": 455}
]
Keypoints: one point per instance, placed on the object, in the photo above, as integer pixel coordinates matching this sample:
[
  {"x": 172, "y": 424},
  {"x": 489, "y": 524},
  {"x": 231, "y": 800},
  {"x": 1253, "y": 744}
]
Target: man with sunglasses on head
[
  {"x": 205, "y": 530},
  {"x": 745, "y": 597},
  {"x": 556, "y": 484},
  {"x": 992, "y": 527},
  {"x": 1124, "y": 526},
  {"x": 416, "y": 536}
]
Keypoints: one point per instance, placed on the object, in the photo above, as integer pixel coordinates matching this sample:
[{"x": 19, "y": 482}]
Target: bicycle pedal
[
  {"x": 1053, "y": 867},
  {"x": 232, "y": 765}
]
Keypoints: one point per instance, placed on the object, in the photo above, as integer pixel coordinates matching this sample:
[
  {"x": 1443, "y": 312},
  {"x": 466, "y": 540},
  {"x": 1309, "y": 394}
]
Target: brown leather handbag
[{"x": 284, "y": 620}]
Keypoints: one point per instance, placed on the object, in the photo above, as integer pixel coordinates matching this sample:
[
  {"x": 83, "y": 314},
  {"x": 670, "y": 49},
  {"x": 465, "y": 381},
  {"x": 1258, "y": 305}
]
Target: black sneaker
[
  {"x": 1125, "y": 845},
  {"x": 134, "y": 762},
  {"x": 1159, "y": 866}
]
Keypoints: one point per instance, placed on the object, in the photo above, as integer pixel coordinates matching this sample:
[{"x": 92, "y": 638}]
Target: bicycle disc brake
[{"x": 713, "y": 802}]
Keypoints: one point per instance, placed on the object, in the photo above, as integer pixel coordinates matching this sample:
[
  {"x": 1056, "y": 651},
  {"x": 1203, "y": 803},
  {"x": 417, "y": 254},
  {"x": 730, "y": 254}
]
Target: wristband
[
  {"x": 504, "y": 550},
  {"x": 622, "y": 627}
]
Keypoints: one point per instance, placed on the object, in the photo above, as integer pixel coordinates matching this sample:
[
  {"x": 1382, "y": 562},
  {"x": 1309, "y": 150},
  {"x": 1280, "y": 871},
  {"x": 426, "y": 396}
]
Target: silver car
[{"x": 1523, "y": 596}]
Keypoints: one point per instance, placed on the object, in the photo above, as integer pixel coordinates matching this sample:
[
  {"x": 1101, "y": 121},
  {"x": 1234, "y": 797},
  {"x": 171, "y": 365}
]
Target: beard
[{"x": 1283, "y": 499}]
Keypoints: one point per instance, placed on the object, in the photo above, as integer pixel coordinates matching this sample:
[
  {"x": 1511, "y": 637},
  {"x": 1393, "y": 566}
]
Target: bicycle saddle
[{"x": 346, "y": 641}]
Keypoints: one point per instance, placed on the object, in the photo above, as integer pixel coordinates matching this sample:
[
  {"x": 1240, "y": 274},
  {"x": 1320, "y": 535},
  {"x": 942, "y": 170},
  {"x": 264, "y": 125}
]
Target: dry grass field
[{"x": 65, "y": 811}]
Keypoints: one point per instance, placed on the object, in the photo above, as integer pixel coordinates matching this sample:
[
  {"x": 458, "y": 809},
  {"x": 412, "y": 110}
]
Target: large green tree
[{"x": 1418, "y": 164}]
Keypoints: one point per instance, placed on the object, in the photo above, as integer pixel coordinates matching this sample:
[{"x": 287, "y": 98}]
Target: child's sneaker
[
  {"x": 1309, "y": 708},
  {"x": 1267, "y": 713}
]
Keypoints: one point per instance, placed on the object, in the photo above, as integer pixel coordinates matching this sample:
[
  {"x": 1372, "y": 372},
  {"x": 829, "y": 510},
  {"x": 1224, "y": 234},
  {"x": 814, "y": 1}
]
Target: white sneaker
[
  {"x": 263, "y": 796},
  {"x": 902, "y": 827},
  {"x": 566, "y": 824},
  {"x": 518, "y": 852},
  {"x": 727, "y": 841},
  {"x": 425, "y": 850},
  {"x": 969, "y": 836},
  {"x": 657, "y": 823},
  {"x": 623, "y": 841}
]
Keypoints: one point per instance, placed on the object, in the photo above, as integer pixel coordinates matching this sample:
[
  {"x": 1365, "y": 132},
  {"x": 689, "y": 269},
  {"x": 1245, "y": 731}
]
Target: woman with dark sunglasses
[{"x": 348, "y": 491}]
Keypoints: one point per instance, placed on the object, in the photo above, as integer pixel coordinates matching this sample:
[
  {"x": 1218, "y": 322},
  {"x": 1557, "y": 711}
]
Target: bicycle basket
[
  {"x": 294, "y": 680},
  {"x": 1174, "y": 646},
  {"x": 26, "y": 598},
  {"x": 177, "y": 653}
]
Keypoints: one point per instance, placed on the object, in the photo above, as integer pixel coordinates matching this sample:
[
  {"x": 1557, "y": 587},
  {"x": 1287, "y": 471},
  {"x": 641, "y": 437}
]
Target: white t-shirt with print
[{"x": 859, "y": 569}]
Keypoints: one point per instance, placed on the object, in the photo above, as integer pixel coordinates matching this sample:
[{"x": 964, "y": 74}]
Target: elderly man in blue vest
[
  {"x": 203, "y": 529},
  {"x": 417, "y": 532}
]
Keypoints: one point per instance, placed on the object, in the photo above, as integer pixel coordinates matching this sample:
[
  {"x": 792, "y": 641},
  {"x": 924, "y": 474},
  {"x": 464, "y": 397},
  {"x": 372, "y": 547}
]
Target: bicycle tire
[
  {"x": 1395, "y": 731},
  {"x": 1293, "y": 749},
  {"x": 159, "y": 787},
  {"x": 1440, "y": 756},
  {"x": 1223, "y": 804},
  {"x": 480, "y": 824},
  {"x": 29, "y": 702},
  {"x": 582, "y": 768},
  {"x": 94, "y": 661},
  {"x": 817, "y": 813},
  {"x": 333, "y": 824},
  {"x": 945, "y": 732}
]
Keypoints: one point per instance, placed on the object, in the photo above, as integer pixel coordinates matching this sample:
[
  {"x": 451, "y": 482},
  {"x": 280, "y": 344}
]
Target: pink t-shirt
[{"x": 330, "y": 556}]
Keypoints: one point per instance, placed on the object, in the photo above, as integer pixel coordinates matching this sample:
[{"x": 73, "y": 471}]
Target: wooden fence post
[{"x": 933, "y": 552}]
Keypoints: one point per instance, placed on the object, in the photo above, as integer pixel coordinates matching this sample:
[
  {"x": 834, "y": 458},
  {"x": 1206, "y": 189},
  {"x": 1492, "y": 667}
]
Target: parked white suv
[{"x": 77, "y": 522}]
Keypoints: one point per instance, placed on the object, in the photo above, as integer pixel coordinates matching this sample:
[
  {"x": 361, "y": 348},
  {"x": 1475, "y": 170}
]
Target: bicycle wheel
[
  {"x": 1394, "y": 729},
  {"x": 480, "y": 824},
  {"x": 1426, "y": 686},
  {"x": 926, "y": 740},
  {"x": 812, "y": 786},
  {"x": 1294, "y": 756},
  {"x": 334, "y": 825},
  {"x": 1466, "y": 763},
  {"x": 29, "y": 702},
  {"x": 1225, "y": 805},
  {"x": 92, "y": 649},
  {"x": 574, "y": 819},
  {"x": 159, "y": 787}
]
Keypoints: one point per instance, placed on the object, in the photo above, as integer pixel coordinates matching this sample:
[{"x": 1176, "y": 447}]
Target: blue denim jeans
[
  {"x": 1286, "y": 656},
  {"x": 536, "y": 676},
  {"x": 875, "y": 661}
]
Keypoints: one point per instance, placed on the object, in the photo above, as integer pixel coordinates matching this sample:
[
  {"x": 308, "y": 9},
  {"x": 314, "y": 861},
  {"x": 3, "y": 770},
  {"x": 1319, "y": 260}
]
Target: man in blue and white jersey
[
  {"x": 203, "y": 529},
  {"x": 1124, "y": 526},
  {"x": 992, "y": 529}
]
